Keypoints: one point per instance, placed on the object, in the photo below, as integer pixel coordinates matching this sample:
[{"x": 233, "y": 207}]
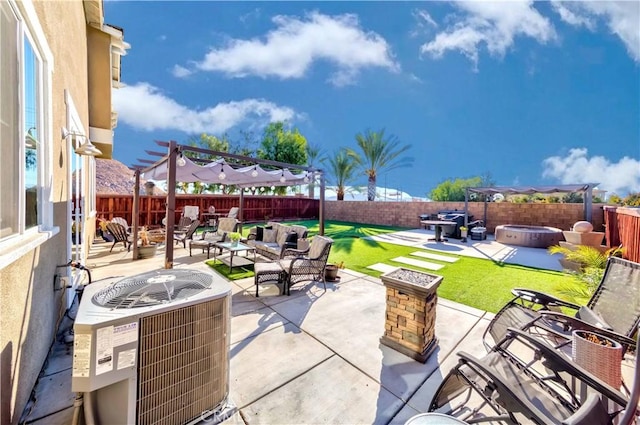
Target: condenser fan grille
[{"x": 153, "y": 288}]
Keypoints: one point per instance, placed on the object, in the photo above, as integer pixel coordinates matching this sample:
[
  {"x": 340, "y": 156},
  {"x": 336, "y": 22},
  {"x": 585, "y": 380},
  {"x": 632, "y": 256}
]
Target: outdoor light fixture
[
  {"x": 282, "y": 179},
  {"x": 254, "y": 173},
  {"x": 181, "y": 162},
  {"x": 306, "y": 178},
  {"x": 273, "y": 188},
  {"x": 222, "y": 175},
  {"x": 29, "y": 141},
  {"x": 87, "y": 148}
]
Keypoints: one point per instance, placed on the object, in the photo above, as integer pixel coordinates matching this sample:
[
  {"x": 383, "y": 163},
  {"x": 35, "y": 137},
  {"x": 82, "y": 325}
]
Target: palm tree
[
  {"x": 314, "y": 153},
  {"x": 379, "y": 152},
  {"x": 342, "y": 170}
]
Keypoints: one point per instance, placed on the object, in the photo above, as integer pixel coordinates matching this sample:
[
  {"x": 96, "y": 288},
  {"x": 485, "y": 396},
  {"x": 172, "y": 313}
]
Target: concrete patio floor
[{"x": 312, "y": 357}]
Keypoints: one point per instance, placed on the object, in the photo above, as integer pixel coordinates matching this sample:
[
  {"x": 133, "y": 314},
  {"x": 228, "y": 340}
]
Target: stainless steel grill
[{"x": 183, "y": 360}]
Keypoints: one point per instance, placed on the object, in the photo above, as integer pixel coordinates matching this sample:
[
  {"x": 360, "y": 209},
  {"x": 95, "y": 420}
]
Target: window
[{"x": 24, "y": 78}]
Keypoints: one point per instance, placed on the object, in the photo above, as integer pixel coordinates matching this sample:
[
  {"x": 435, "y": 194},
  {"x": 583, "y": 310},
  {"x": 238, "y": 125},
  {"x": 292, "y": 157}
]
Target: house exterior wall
[
  {"x": 406, "y": 214},
  {"x": 30, "y": 307}
]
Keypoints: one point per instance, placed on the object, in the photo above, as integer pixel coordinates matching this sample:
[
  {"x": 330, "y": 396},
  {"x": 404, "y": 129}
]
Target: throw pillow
[
  {"x": 259, "y": 233},
  {"x": 292, "y": 238},
  {"x": 282, "y": 237},
  {"x": 268, "y": 236}
]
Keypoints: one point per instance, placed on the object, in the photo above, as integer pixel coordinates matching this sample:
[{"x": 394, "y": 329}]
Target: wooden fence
[
  {"x": 256, "y": 208},
  {"x": 622, "y": 227}
]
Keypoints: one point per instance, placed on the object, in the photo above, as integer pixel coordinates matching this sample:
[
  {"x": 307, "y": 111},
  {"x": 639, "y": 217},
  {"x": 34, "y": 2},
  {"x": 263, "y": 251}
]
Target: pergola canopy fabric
[
  {"x": 211, "y": 173},
  {"x": 587, "y": 188},
  {"x": 529, "y": 190}
]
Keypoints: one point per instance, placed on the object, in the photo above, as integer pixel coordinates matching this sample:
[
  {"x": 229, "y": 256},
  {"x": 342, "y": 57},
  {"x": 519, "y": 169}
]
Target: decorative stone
[
  {"x": 583, "y": 227},
  {"x": 411, "y": 312}
]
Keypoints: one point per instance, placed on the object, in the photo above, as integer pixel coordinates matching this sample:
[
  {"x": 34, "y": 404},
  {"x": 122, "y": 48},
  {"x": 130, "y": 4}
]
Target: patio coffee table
[{"x": 234, "y": 249}]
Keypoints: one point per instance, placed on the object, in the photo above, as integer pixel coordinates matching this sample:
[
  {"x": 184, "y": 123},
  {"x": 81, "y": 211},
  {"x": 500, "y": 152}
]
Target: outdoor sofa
[{"x": 272, "y": 239}]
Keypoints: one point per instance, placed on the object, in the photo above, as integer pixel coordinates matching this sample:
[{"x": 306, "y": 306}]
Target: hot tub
[{"x": 531, "y": 236}]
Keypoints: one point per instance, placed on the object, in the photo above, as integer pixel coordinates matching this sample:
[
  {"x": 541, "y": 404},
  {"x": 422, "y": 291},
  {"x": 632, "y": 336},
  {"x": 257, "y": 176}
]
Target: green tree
[
  {"x": 632, "y": 200},
  {"x": 314, "y": 155},
  {"x": 279, "y": 144},
  {"x": 454, "y": 190},
  {"x": 341, "y": 172},
  {"x": 378, "y": 153}
]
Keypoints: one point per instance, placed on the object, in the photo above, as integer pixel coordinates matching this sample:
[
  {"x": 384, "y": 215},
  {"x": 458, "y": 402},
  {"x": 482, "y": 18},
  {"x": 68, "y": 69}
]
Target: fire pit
[{"x": 411, "y": 312}]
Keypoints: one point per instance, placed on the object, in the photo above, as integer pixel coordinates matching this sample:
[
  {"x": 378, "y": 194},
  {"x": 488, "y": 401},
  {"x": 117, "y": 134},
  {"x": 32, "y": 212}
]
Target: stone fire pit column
[{"x": 411, "y": 312}]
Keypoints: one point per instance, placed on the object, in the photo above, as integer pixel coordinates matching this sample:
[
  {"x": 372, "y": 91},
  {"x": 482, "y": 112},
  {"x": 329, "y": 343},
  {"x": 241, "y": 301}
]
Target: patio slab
[{"x": 314, "y": 356}]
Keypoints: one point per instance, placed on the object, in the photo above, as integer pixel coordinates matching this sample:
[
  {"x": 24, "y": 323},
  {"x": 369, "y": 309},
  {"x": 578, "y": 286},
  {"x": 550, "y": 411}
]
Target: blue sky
[{"x": 532, "y": 93}]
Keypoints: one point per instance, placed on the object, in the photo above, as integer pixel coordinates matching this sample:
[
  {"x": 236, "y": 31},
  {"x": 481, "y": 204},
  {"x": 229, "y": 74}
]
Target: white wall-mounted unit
[{"x": 154, "y": 348}]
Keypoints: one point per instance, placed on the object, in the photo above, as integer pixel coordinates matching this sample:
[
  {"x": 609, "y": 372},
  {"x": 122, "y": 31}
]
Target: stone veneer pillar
[{"x": 411, "y": 312}]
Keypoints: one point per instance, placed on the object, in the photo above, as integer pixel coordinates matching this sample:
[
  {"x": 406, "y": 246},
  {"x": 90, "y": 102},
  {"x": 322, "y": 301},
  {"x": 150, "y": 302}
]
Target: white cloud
[
  {"x": 289, "y": 50},
  {"x": 135, "y": 102},
  {"x": 621, "y": 17},
  {"x": 180, "y": 71},
  {"x": 615, "y": 177},
  {"x": 492, "y": 24}
]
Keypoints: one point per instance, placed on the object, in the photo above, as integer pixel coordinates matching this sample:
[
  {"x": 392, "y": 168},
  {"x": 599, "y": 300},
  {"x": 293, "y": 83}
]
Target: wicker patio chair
[
  {"x": 209, "y": 237},
  {"x": 612, "y": 311},
  {"x": 523, "y": 380},
  {"x": 307, "y": 266},
  {"x": 183, "y": 237},
  {"x": 120, "y": 234}
]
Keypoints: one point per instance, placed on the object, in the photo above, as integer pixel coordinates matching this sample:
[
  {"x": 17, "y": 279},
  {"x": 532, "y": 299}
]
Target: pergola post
[
  {"x": 136, "y": 213},
  {"x": 466, "y": 207},
  {"x": 171, "y": 204},
  {"x": 241, "y": 210},
  {"x": 321, "y": 206},
  {"x": 588, "y": 203}
]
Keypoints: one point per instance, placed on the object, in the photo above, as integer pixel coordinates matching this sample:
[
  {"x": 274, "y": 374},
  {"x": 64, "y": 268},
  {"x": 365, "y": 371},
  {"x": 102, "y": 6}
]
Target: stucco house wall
[{"x": 30, "y": 307}]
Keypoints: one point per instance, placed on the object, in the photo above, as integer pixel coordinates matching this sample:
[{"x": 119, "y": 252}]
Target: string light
[
  {"x": 222, "y": 175},
  {"x": 181, "y": 162},
  {"x": 306, "y": 178},
  {"x": 254, "y": 173},
  {"x": 282, "y": 179}
]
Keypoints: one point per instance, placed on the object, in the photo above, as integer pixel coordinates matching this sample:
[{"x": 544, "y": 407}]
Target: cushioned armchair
[
  {"x": 309, "y": 265},
  {"x": 226, "y": 225}
]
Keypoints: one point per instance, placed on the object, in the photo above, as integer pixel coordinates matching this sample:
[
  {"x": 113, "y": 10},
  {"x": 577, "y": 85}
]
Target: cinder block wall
[{"x": 406, "y": 214}]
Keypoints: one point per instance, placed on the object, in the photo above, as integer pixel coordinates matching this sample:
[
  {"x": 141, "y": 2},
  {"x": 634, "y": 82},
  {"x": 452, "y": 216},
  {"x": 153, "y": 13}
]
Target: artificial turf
[{"x": 476, "y": 282}]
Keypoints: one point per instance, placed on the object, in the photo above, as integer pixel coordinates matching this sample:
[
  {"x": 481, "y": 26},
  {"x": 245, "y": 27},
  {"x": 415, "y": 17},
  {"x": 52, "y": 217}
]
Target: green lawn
[{"x": 476, "y": 282}]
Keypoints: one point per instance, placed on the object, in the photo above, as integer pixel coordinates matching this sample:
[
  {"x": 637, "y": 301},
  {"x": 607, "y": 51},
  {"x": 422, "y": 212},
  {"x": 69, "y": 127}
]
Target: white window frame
[{"x": 26, "y": 240}]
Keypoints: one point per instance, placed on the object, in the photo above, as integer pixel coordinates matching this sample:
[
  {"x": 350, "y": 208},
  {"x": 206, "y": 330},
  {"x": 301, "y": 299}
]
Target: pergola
[
  {"x": 586, "y": 188},
  {"x": 228, "y": 169}
]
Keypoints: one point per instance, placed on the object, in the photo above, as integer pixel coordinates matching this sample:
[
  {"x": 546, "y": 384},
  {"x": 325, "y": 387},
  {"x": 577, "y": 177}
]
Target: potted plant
[
  {"x": 463, "y": 233},
  {"x": 76, "y": 232},
  {"x": 331, "y": 271},
  {"x": 235, "y": 238},
  {"x": 147, "y": 249}
]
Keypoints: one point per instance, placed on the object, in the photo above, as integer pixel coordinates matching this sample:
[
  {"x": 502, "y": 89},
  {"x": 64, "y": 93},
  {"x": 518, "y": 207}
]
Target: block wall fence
[{"x": 406, "y": 214}]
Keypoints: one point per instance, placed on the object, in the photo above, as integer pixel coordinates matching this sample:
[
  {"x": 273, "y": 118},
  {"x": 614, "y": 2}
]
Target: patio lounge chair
[
  {"x": 120, "y": 234},
  {"x": 612, "y": 311},
  {"x": 209, "y": 237},
  {"x": 299, "y": 265},
  {"x": 233, "y": 212},
  {"x": 183, "y": 237},
  {"x": 122, "y": 222},
  {"x": 536, "y": 385}
]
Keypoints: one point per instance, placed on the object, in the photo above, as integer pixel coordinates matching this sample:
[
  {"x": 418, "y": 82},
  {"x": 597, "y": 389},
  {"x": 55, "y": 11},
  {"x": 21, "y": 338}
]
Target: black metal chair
[
  {"x": 188, "y": 234},
  {"x": 613, "y": 310},
  {"x": 306, "y": 265},
  {"x": 120, "y": 234},
  {"x": 523, "y": 380}
]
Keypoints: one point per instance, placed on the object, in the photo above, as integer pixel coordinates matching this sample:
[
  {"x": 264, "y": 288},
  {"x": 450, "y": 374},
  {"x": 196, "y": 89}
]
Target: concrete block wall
[{"x": 406, "y": 214}]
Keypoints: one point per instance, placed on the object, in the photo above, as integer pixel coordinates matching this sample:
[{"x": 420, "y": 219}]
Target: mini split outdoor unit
[{"x": 154, "y": 348}]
